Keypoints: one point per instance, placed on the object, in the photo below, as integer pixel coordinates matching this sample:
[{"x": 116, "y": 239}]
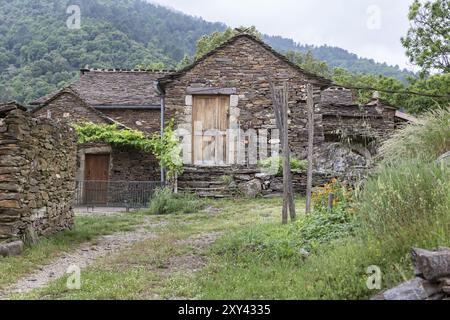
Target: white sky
[{"x": 369, "y": 28}]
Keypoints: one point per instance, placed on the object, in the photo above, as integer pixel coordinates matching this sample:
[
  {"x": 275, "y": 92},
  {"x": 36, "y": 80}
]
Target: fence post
[{"x": 330, "y": 201}]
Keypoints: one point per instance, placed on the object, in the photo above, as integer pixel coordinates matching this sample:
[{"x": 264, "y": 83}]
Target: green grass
[
  {"x": 144, "y": 271},
  {"x": 86, "y": 229},
  {"x": 99, "y": 285}
]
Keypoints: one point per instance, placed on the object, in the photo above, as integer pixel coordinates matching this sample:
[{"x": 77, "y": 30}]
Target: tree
[
  {"x": 307, "y": 62},
  {"x": 151, "y": 66},
  {"x": 186, "y": 61},
  {"x": 427, "y": 42},
  {"x": 207, "y": 43}
]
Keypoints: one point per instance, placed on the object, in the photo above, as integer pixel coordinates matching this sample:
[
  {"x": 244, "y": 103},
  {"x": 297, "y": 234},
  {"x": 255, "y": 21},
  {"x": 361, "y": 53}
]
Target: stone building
[
  {"x": 128, "y": 98},
  {"x": 222, "y": 108}
]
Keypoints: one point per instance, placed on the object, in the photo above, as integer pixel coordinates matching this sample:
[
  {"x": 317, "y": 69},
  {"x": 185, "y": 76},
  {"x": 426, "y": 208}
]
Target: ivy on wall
[
  {"x": 167, "y": 149},
  {"x": 112, "y": 134}
]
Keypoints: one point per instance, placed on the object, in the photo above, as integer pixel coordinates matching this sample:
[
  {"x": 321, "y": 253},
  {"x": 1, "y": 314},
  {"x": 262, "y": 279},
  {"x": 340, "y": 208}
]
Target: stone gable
[{"x": 68, "y": 107}]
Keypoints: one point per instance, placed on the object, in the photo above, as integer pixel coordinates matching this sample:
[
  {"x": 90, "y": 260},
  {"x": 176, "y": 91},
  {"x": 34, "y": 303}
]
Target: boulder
[
  {"x": 252, "y": 188},
  {"x": 431, "y": 265},
  {"x": 417, "y": 289},
  {"x": 11, "y": 248}
]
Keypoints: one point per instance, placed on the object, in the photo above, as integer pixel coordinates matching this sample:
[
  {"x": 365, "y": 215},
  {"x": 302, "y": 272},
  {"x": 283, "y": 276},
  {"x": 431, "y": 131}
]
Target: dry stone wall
[{"x": 37, "y": 175}]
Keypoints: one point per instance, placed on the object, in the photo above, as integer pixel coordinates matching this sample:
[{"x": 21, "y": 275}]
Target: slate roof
[
  {"x": 70, "y": 91},
  {"x": 115, "y": 87}
]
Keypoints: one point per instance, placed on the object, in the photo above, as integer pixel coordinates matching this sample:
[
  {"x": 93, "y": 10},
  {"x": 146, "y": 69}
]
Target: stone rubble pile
[{"x": 432, "y": 282}]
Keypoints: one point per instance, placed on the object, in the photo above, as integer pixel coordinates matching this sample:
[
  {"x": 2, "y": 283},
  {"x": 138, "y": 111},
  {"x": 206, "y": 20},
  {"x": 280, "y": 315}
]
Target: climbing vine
[
  {"x": 167, "y": 149},
  {"x": 112, "y": 134}
]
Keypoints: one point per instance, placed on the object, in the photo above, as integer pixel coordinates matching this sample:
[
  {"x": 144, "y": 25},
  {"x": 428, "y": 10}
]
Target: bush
[
  {"x": 270, "y": 165},
  {"x": 165, "y": 201},
  {"x": 324, "y": 227},
  {"x": 342, "y": 196}
]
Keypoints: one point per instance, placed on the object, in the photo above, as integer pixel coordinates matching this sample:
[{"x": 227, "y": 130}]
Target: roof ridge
[{"x": 119, "y": 70}]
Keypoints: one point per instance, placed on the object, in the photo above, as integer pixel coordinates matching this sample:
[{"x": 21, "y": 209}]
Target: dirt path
[{"x": 83, "y": 256}]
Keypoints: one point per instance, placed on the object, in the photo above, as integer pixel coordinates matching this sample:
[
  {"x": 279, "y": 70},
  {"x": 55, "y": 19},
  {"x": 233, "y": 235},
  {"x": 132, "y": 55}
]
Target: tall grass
[
  {"x": 165, "y": 201},
  {"x": 426, "y": 140}
]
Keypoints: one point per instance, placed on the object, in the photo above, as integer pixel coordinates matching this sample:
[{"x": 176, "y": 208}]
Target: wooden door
[
  {"x": 96, "y": 178},
  {"x": 210, "y": 124}
]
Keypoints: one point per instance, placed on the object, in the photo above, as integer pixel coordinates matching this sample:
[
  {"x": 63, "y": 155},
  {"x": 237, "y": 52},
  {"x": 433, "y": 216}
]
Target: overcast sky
[{"x": 369, "y": 28}]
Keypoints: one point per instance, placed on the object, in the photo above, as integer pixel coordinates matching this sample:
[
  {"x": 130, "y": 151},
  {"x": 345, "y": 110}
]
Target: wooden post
[
  {"x": 280, "y": 105},
  {"x": 310, "y": 106},
  {"x": 330, "y": 201},
  {"x": 287, "y": 156}
]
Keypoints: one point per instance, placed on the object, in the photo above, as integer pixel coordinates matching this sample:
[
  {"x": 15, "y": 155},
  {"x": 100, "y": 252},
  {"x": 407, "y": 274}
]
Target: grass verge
[{"x": 87, "y": 228}]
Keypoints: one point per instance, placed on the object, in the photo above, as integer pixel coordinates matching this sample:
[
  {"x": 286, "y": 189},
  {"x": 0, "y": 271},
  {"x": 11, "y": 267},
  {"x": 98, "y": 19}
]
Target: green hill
[{"x": 39, "y": 54}]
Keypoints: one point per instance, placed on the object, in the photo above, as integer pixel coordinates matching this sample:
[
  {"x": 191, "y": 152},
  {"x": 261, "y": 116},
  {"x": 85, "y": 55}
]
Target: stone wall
[
  {"x": 37, "y": 175},
  {"x": 147, "y": 120},
  {"x": 133, "y": 165},
  {"x": 225, "y": 181}
]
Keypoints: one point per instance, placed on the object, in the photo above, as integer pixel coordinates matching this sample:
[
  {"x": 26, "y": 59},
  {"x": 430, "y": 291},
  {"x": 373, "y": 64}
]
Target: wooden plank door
[
  {"x": 210, "y": 124},
  {"x": 96, "y": 178}
]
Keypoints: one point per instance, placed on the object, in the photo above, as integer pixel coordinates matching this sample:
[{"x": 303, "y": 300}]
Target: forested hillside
[
  {"x": 39, "y": 53},
  {"x": 339, "y": 58}
]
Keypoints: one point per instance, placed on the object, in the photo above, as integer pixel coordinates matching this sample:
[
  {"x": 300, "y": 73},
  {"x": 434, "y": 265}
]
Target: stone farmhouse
[{"x": 221, "y": 106}]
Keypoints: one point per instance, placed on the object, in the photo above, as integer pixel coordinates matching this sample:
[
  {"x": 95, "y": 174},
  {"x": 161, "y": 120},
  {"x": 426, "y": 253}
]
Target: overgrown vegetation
[
  {"x": 274, "y": 165},
  {"x": 164, "y": 201},
  {"x": 167, "y": 149},
  {"x": 403, "y": 205}
]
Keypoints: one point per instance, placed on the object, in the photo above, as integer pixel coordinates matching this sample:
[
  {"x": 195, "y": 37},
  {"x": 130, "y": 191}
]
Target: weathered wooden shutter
[{"x": 210, "y": 123}]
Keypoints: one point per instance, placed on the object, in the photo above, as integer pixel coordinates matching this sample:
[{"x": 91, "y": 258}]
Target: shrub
[
  {"x": 274, "y": 165},
  {"x": 165, "y": 201},
  {"x": 405, "y": 204},
  {"x": 323, "y": 227},
  {"x": 342, "y": 195}
]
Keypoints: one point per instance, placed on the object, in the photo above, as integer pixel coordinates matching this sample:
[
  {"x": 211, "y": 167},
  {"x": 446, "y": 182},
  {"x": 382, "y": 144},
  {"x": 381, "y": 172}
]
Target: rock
[
  {"x": 243, "y": 177},
  {"x": 263, "y": 176},
  {"x": 277, "y": 186},
  {"x": 11, "y": 248},
  {"x": 431, "y": 265},
  {"x": 417, "y": 289},
  {"x": 251, "y": 189},
  {"x": 445, "y": 158}
]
